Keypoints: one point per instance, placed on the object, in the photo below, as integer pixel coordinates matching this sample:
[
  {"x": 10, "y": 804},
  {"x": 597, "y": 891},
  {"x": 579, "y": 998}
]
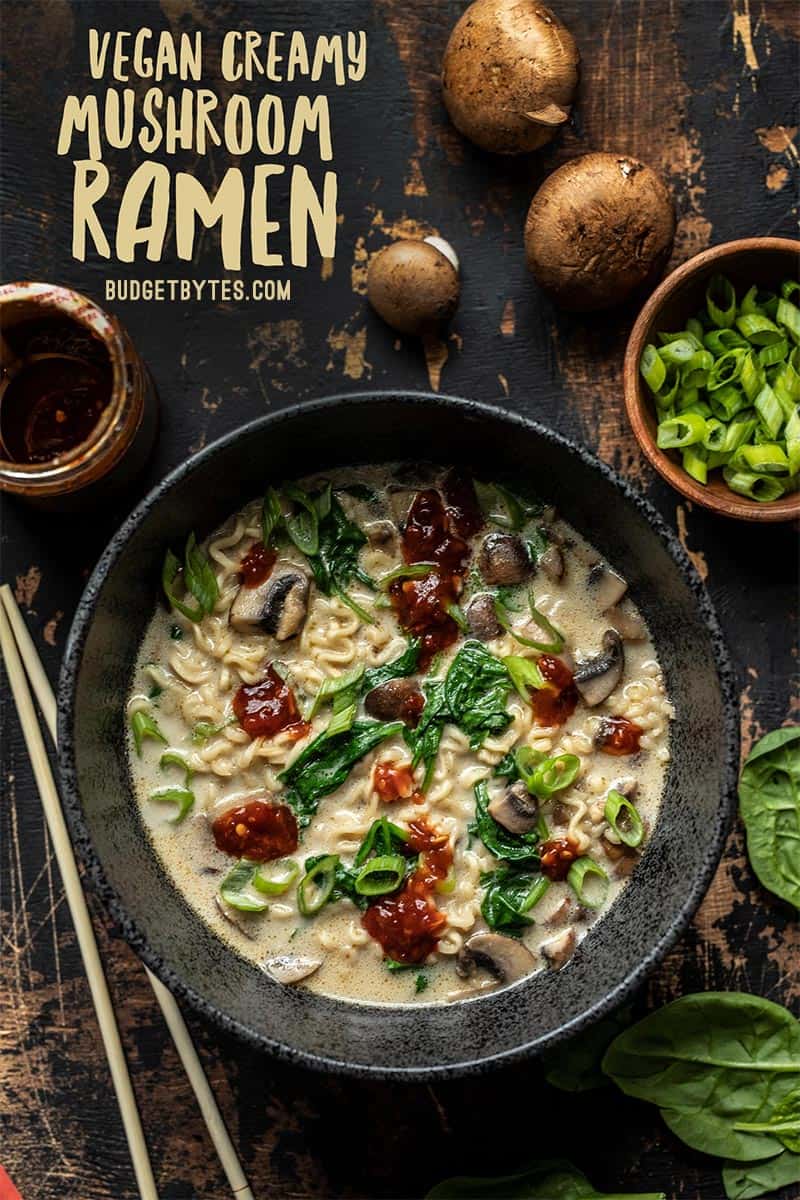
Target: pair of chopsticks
[{"x": 18, "y": 649}]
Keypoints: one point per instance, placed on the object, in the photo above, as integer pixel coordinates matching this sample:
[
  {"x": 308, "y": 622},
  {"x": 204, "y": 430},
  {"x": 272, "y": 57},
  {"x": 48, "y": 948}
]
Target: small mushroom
[
  {"x": 503, "y": 559},
  {"x": 482, "y": 618},
  {"x": 559, "y": 949},
  {"x": 278, "y": 606},
  {"x": 503, "y": 957},
  {"x": 552, "y": 563},
  {"x": 597, "y": 677},
  {"x": 388, "y": 700},
  {"x": 291, "y": 968},
  {"x": 381, "y": 534},
  {"x": 515, "y": 809},
  {"x": 605, "y": 585},
  {"x": 628, "y": 624},
  {"x": 414, "y": 285},
  {"x": 560, "y": 914},
  {"x": 226, "y": 912}
]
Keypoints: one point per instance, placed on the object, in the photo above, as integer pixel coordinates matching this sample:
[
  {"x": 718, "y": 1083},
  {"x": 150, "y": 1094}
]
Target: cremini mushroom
[
  {"x": 482, "y": 618},
  {"x": 515, "y": 809},
  {"x": 605, "y": 586},
  {"x": 503, "y": 559},
  {"x": 291, "y": 968},
  {"x": 503, "y": 957},
  {"x": 558, "y": 950},
  {"x": 628, "y": 624},
  {"x": 509, "y": 75},
  {"x": 598, "y": 229},
  {"x": 552, "y": 563},
  {"x": 388, "y": 701},
  {"x": 597, "y": 677},
  {"x": 414, "y": 285},
  {"x": 381, "y": 534},
  {"x": 278, "y": 606}
]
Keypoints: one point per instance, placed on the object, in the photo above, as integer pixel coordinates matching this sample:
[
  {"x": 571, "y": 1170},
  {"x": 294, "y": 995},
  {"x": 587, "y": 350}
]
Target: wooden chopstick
[{"x": 172, "y": 1014}]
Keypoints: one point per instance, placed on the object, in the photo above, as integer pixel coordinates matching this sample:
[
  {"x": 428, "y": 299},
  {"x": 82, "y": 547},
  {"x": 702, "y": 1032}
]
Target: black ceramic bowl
[{"x": 413, "y": 1042}]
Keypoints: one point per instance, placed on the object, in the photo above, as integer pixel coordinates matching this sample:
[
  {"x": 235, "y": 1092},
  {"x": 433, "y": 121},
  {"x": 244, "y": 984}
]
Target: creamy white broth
[{"x": 188, "y": 673}]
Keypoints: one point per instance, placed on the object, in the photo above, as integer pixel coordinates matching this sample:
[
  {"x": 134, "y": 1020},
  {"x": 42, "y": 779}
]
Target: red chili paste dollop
[
  {"x": 463, "y": 509},
  {"x": 618, "y": 736},
  {"x": 557, "y": 855},
  {"x": 393, "y": 781},
  {"x": 257, "y": 830},
  {"x": 408, "y": 924},
  {"x": 554, "y": 704},
  {"x": 257, "y": 564},
  {"x": 268, "y": 707}
]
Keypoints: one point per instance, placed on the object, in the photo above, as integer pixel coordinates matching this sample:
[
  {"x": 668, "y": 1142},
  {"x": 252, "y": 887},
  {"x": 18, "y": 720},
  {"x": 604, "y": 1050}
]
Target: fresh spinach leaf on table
[
  {"x": 327, "y": 761},
  {"x": 713, "y": 1062},
  {"x": 783, "y": 1122},
  {"x": 552, "y": 1180},
  {"x": 769, "y": 800},
  {"x": 746, "y": 1181}
]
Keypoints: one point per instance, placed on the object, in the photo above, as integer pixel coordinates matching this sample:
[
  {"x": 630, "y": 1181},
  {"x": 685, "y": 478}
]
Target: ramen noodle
[{"x": 398, "y": 735}]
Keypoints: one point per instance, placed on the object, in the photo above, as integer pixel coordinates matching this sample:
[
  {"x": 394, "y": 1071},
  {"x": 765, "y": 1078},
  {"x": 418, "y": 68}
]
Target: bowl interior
[
  {"x": 762, "y": 261},
  {"x": 684, "y": 846}
]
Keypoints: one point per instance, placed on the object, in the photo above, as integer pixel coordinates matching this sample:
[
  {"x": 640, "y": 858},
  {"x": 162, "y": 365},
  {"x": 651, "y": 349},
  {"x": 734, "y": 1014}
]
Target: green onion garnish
[
  {"x": 589, "y": 882},
  {"x": 416, "y": 570},
  {"x": 182, "y": 797},
  {"x": 624, "y": 818},
  {"x": 275, "y": 878},
  {"x": 380, "y": 875},
  {"x": 232, "y": 888},
  {"x": 144, "y": 726},
  {"x": 316, "y": 885}
]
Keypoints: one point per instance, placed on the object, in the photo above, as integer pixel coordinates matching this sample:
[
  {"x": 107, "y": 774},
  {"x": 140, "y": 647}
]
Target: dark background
[{"x": 705, "y": 92}]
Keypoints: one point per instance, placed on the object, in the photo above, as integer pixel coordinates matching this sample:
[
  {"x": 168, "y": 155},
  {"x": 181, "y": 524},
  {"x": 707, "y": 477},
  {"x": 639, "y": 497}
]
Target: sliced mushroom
[
  {"x": 559, "y": 949},
  {"x": 227, "y": 914},
  {"x": 388, "y": 700},
  {"x": 291, "y": 968},
  {"x": 503, "y": 559},
  {"x": 628, "y": 624},
  {"x": 552, "y": 563},
  {"x": 482, "y": 618},
  {"x": 278, "y": 606},
  {"x": 559, "y": 915},
  {"x": 503, "y": 957},
  {"x": 605, "y": 585},
  {"x": 381, "y": 534},
  {"x": 597, "y": 677},
  {"x": 515, "y": 809}
]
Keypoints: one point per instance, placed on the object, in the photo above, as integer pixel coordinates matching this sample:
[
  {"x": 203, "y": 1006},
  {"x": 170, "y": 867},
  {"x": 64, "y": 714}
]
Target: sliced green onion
[
  {"x": 788, "y": 315},
  {"x": 524, "y": 674},
  {"x": 623, "y": 817},
  {"x": 719, "y": 341},
  {"x": 695, "y": 327},
  {"x": 715, "y": 435},
  {"x": 789, "y": 287},
  {"x": 302, "y": 525},
  {"x": 740, "y": 430},
  {"x": 345, "y": 707},
  {"x": 275, "y": 878},
  {"x": 232, "y": 888},
  {"x": 763, "y": 488},
  {"x": 271, "y": 516},
  {"x": 683, "y": 335},
  {"x": 721, "y": 301},
  {"x": 406, "y": 571},
  {"x": 182, "y": 797},
  {"x": 329, "y": 688},
  {"x": 589, "y": 882},
  {"x": 353, "y": 605},
  {"x": 169, "y": 574},
  {"x": 381, "y": 875},
  {"x": 653, "y": 370},
  {"x": 203, "y": 730},
  {"x": 687, "y": 398},
  {"x": 726, "y": 369},
  {"x": 144, "y": 726},
  {"x": 678, "y": 352},
  {"x": 766, "y": 459},
  {"x": 758, "y": 329},
  {"x": 381, "y": 835},
  {"x": 699, "y": 408},
  {"x": 552, "y": 775},
  {"x": 695, "y": 463},
  {"x": 446, "y": 886},
  {"x": 172, "y": 758},
  {"x": 768, "y": 356},
  {"x": 752, "y": 376},
  {"x": 683, "y": 430},
  {"x": 314, "y": 889},
  {"x": 793, "y": 441},
  {"x": 755, "y": 301},
  {"x": 769, "y": 409},
  {"x": 717, "y": 458},
  {"x": 457, "y": 613},
  {"x": 727, "y": 401}
]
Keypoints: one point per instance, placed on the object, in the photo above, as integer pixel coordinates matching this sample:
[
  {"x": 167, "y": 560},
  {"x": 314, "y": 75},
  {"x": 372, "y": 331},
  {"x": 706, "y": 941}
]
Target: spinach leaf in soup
[
  {"x": 399, "y": 668},
  {"x": 509, "y": 895},
  {"x": 746, "y": 1181},
  {"x": 424, "y": 740},
  {"x": 326, "y": 762},
  {"x": 713, "y": 1062},
  {"x": 476, "y": 688},
  {"x": 769, "y": 800},
  {"x": 335, "y": 564},
  {"x": 551, "y": 1180}
]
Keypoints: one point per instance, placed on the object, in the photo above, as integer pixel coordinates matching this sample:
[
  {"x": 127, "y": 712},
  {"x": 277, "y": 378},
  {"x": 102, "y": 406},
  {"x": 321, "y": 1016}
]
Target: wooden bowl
[{"x": 765, "y": 261}]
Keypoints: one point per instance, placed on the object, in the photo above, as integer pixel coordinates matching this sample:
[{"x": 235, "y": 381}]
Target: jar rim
[{"x": 53, "y": 298}]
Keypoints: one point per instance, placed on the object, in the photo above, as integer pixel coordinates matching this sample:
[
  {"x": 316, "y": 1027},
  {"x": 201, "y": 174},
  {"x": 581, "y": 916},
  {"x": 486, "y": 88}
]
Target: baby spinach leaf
[
  {"x": 327, "y": 761},
  {"x": 746, "y": 1181},
  {"x": 513, "y": 847},
  {"x": 199, "y": 581},
  {"x": 476, "y": 688},
  {"x": 344, "y": 879},
  {"x": 783, "y": 1122},
  {"x": 509, "y": 896},
  {"x": 424, "y": 740},
  {"x": 335, "y": 563},
  {"x": 575, "y": 1065},
  {"x": 769, "y": 799},
  {"x": 399, "y": 668},
  {"x": 551, "y": 1180},
  {"x": 712, "y": 1062}
]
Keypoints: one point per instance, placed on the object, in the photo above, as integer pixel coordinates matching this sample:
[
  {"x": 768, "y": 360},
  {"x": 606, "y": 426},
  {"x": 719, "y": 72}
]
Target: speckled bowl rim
[{"x": 137, "y": 940}]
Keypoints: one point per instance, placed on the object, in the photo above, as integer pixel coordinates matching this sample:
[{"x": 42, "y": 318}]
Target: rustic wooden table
[{"x": 704, "y": 92}]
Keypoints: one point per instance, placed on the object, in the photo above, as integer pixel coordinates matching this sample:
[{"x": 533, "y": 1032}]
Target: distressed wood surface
[{"x": 705, "y": 92}]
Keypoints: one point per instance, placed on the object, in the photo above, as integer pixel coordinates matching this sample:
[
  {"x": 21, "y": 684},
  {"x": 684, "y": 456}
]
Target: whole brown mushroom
[
  {"x": 509, "y": 75},
  {"x": 599, "y": 228},
  {"x": 414, "y": 285}
]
